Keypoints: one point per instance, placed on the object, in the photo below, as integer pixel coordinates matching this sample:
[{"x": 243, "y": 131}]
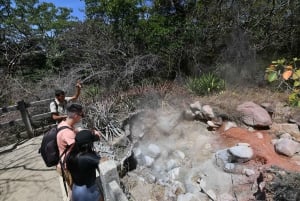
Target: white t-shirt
[
  {"x": 61, "y": 107},
  {"x": 62, "y": 110}
]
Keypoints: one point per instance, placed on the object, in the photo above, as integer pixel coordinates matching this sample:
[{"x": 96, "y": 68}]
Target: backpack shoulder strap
[
  {"x": 56, "y": 106},
  {"x": 63, "y": 127}
]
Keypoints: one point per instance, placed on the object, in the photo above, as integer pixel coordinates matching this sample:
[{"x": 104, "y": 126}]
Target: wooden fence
[{"x": 26, "y": 118}]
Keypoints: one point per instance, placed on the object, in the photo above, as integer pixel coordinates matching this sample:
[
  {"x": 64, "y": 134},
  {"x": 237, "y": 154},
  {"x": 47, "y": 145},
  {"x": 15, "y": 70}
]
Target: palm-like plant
[{"x": 205, "y": 84}]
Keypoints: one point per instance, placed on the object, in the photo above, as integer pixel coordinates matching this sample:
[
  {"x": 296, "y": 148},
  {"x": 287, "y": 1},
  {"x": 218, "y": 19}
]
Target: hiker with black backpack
[
  {"x": 58, "y": 105},
  {"x": 82, "y": 162},
  {"x": 66, "y": 139}
]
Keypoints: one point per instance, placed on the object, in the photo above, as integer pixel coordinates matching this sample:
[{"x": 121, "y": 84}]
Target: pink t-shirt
[{"x": 65, "y": 137}]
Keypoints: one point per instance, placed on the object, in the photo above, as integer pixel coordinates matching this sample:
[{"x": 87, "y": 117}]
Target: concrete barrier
[{"x": 111, "y": 182}]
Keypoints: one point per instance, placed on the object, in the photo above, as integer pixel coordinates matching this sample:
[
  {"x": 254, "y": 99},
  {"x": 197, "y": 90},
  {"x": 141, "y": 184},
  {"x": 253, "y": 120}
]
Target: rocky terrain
[
  {"x": 197, "y": 154},
  {"x": 222, "y": 148}
]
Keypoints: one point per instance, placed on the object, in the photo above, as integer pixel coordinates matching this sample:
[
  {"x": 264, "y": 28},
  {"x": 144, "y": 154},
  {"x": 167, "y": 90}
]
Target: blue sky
[{"x": 76, "y": 5}]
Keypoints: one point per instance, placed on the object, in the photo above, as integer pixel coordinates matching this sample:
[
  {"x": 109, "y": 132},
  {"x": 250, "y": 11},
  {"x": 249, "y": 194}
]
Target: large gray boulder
[
  {"x": 287, "y": 147},
  {"x": 254, "y": 115}
]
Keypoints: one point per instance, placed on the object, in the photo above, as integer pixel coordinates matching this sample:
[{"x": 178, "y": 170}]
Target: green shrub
[
  {"x": 205, "y": 84},
  {"x": 92, "y": 92},
  {"x": 286, "y": 76}
]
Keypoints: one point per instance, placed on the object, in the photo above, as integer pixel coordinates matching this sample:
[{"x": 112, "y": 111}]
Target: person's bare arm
[
  {"x": 57, "y": 117},
  {"x": 77, "y": 92},
  {"x": 97, "y": 133}
]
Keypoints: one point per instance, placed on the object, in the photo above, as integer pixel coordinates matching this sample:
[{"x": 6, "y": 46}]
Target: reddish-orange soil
[{"x": 263, "y": 148}]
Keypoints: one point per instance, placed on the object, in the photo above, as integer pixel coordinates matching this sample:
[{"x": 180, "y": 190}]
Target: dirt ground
[{"x": 265, "y": 154}]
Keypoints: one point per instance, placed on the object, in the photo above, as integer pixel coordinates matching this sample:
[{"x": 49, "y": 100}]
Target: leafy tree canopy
[{"x": 28, "y": 26}]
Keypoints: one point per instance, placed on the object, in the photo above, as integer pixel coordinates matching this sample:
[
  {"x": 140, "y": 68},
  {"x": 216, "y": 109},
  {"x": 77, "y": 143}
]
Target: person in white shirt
[{"x": 58, "y": 105}]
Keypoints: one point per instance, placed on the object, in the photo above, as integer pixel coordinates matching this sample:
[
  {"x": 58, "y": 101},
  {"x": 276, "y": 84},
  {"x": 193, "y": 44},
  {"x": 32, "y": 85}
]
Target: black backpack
[{"x": 49, "y": 149}]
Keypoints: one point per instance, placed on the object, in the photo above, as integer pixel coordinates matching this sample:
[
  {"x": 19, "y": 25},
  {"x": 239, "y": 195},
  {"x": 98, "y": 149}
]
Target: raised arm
[{"x": 77, "y": 92}]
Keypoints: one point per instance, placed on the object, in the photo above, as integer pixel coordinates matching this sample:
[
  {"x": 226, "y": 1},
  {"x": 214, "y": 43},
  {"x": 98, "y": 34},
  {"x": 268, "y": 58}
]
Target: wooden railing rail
[{"x": 26, "y": 118}]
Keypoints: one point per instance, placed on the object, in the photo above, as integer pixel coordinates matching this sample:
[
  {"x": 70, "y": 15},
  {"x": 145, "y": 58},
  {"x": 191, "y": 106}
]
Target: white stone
[
  {"x": 179, "y": 154},
  {"x": 139, "y": 156},
  {"x": 287, "y": 147},
  {"x": 157, "y": 167},
  {"x": 222, "y": 157},
  {"x": 243, "y": 144},
  {"x": 286, "y": 135},
  {"x": 138, "y": 130},
  {"x": 202, "y": 184},
  {"x": 248, "y": 172},
  {"x": 154, "y": 150},
  {"x": 280, "y": 128},
  {"x": 127, "y": 130},
  {"x": 251, "y": 129},
  {"x": 211, "y": 194},
  {"x": 137, "y": 152},
  {"x": 174, "y": 173},
  {"x": 211, "y": 124},
  {"x": 148, "y": 161},
  {"x": 229, "y": 124},
  {"x": 196, "y": 106},
  {"x": 141, "y": 135},
  {"x": 229, "y": 167},
  {"x": 243, "y": 152},
  {"x": 208, "y": 111},
  {"x": 171, "y": 164}
]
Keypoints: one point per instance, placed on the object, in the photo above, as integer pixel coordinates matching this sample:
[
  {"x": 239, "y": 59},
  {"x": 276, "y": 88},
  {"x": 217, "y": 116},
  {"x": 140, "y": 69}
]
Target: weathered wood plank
[
  {"x": 8, "y": 109},
  {"x": 37, "y": 131},
  {"x": 40, "y": 102},
  {"x": 31, "y": 104},
  {"x": 26, "y": 117},
  {"x": 11, "y": 123},
  {"x": 41, "y": 116}
]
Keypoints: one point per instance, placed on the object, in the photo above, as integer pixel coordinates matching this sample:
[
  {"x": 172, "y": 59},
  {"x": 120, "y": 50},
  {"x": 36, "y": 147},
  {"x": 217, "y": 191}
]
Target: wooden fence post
[{"x": 25, "y": 118}]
